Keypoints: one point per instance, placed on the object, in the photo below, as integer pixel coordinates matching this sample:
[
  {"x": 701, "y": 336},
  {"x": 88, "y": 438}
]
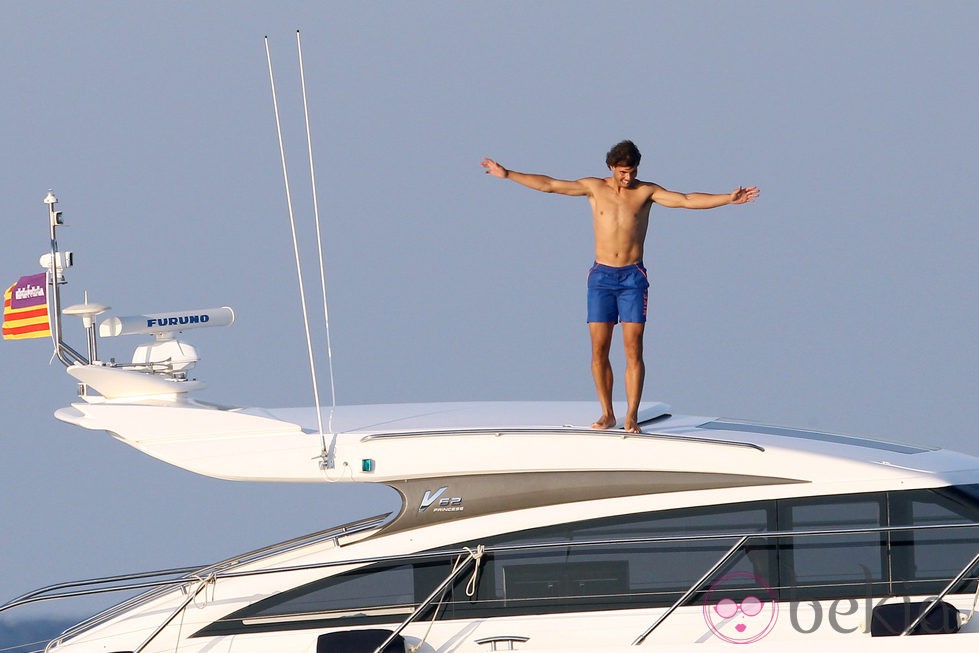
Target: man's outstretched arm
[
  {"x": 542, "y": 183},
  {"x": 671, "y": 199}
]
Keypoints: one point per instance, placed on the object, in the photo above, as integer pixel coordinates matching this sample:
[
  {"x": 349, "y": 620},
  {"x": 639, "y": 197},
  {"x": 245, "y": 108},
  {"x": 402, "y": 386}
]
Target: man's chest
[{"x": 612, "y": 206}]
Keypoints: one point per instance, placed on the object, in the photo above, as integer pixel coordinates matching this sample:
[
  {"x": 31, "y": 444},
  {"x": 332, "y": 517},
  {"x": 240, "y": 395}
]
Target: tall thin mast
[
  {"x": 328, "y": 453},
  {"x": 295, "y": 246}
]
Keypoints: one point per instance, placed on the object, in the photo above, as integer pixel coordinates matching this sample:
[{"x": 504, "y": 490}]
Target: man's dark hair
[{"x": 623, "y": 154}]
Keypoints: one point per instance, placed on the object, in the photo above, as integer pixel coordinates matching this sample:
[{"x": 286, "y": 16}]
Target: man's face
[{"x": 623, "y": 176}]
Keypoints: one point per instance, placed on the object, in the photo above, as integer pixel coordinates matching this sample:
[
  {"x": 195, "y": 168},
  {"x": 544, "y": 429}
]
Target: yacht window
[
  {"x": 599, "y": 576},
  {"x": 826, "y": 566},
  {"x": 373, "y": 594},
  {"x": 364, "y": 589},
  {"x": 960, "y": 501},
  {"x": 925, "y": 560}
]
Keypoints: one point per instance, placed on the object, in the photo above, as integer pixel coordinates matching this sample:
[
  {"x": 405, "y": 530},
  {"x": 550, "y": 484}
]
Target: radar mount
[{"x": 160, "y": 367}]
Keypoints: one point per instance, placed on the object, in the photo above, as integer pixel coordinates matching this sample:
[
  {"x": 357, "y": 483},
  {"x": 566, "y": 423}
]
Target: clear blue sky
[{"x": 843, "y": 300}]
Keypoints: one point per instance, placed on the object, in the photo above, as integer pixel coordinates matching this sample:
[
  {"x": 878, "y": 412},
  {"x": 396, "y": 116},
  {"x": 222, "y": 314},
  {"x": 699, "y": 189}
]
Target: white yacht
[{"x": 521, "y": 528}]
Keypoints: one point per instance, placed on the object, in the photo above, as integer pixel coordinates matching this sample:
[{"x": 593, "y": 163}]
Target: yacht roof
[
  {"x": 412, "y": 440},
  {"x": 490, "y": 457}
]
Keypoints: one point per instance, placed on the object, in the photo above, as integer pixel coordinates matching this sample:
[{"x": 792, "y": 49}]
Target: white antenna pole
[
  {"x": 327, "y": 454},
  {"x": 295, "y": 246}
]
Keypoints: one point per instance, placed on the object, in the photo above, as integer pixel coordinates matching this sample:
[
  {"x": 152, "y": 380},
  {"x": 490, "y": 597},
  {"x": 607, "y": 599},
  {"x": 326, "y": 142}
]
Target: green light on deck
[{"x": 367, "y": 465}]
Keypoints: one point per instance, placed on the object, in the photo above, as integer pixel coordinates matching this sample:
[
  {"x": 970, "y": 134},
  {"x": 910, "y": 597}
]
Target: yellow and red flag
[{"x": 25, "y": 309}]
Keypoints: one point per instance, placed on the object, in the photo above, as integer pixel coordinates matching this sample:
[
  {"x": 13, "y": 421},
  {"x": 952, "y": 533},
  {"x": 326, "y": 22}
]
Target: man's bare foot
[
  {"x": 631, "y": 426},
  {"x": 604, "y": 422}
]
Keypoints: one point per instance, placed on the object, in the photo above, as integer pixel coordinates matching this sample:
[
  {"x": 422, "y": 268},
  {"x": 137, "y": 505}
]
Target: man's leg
[
  {"x": 601, "y": 370},
  {"x": 635, "y": 371}
]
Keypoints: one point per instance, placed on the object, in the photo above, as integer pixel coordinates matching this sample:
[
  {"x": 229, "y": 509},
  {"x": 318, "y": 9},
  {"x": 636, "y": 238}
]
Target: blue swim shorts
[{"x": 617, "y": 294}]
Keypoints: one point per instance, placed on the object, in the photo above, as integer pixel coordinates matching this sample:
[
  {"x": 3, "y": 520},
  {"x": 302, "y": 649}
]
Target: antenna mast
[{"x": 326, "y": 455}]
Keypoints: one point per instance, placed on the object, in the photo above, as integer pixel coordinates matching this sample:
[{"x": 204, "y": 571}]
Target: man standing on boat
[{"x": 617, "y": 282}]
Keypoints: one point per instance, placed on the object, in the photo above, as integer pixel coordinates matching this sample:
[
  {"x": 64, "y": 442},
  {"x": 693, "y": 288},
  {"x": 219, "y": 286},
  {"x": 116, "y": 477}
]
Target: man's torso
[{"x": 620, "y": 218}]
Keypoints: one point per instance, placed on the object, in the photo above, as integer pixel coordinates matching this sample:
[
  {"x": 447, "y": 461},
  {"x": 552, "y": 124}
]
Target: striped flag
[{"x": 25, "y": 309}]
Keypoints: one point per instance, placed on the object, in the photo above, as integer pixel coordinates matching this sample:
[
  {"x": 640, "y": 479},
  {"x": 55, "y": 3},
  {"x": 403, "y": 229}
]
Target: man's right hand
[{"x": 494, "y": 168}]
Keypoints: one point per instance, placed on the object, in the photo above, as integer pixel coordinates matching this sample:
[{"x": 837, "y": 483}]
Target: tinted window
[
  {"x": 926, "y": 560},
  {"x": 362, "y": 589},
  {"x": 657, "y": 571},
  {"x": 831, "y": 565}
]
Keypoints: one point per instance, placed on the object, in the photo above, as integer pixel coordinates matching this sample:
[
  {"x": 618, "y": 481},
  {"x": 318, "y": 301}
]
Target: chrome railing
[
  {"x": 110, "y": 584},
  {"x": 618, "y": 435},
  {"x": 161, "y": 581}
]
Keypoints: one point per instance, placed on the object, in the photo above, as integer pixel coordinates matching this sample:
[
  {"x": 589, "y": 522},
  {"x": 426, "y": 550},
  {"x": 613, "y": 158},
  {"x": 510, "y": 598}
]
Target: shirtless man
[{"x": 617, "y": 283}]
